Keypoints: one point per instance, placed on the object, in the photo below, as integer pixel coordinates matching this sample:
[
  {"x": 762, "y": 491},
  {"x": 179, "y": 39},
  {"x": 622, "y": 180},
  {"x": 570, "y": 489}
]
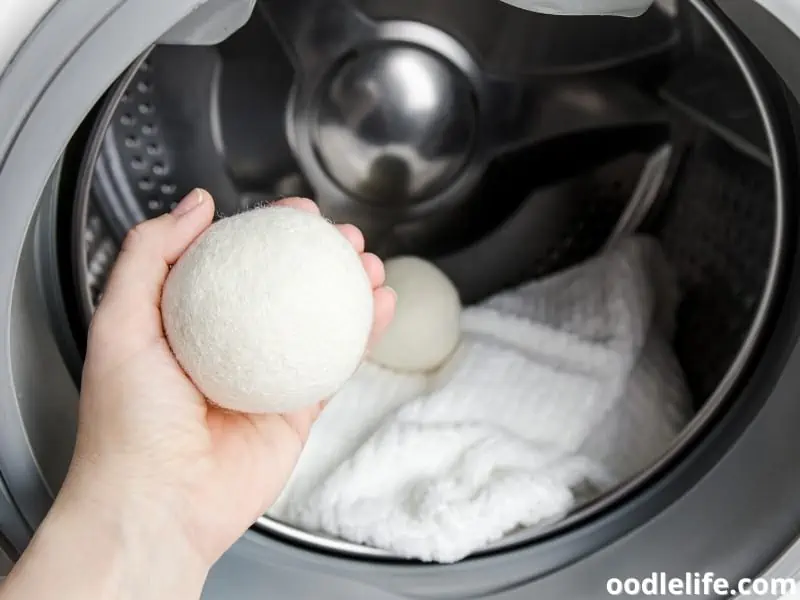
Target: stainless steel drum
[
  {"x": 389, "y": 121},
  {"x": 6, "y": 563}
]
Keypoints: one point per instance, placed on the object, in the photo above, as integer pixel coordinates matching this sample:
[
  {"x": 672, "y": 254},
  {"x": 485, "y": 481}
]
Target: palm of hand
[{"x": 146, "y": 429}]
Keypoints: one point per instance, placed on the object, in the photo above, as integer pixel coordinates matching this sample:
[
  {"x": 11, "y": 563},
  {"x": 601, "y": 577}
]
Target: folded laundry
[{"x": 562, "y": 385}]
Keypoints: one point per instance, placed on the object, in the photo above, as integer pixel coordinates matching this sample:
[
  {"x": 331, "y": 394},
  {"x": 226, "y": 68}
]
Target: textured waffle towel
[{"x": 559, "y": 386}]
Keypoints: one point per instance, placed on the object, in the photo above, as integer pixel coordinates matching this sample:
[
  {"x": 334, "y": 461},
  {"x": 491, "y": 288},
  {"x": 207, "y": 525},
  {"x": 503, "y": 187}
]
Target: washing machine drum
[
  {"x": 501, "y": 143},
  {"x": 5, "y": 563}
]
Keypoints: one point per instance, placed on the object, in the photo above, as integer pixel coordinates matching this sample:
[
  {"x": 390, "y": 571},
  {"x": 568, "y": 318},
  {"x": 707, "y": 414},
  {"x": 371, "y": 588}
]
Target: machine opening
[{"x": 523, "y": 159}]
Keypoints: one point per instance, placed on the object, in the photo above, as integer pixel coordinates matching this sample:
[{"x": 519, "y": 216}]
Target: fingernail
[
  {"x": 392, "y": 291},
  {"x": 192, "y": 200}
]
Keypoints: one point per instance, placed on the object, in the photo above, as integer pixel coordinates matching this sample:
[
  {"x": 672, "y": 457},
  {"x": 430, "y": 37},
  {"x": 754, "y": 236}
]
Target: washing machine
[
  {"x": 499, "y": 139},
  {"x": 13, "y": 533}
]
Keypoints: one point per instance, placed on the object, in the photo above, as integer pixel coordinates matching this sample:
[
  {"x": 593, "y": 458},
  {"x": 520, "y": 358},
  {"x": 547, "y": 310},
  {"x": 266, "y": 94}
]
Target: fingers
[
  {"x": 374, "y": 268},
  {"x": 353, "y": 235},
  {"x": 303, "y": 204},
  {"x": 134, "y": 286},
  {"x": 385, "y": 300}
]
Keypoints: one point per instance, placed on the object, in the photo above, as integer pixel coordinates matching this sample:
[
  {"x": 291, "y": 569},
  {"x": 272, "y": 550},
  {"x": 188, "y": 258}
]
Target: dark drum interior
[{"x": 216, "y": 117}]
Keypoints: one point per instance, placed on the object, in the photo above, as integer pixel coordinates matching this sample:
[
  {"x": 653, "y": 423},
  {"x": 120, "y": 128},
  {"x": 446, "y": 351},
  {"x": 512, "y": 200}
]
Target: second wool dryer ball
[{"x": 426, "y": 327}]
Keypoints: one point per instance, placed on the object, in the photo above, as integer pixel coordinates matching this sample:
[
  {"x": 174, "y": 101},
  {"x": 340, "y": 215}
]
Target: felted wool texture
[
  {"x": 426, "y": 326},
  {"x": 560, "y": 390},
  {"x": 269, "y": 310}
]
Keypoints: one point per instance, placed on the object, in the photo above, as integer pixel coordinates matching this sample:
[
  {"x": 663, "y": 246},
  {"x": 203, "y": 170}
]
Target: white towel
[{"x": 559, "y": 386}]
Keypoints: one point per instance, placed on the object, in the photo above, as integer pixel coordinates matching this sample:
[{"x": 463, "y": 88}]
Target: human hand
[{"x": 148, "y": 442}]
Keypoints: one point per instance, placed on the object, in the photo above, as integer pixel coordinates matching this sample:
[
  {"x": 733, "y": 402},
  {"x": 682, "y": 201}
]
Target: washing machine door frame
[
  {"x": 78, "y": 49},
  {"x": 13, "y": 532},
  {"x": 56, "y": 59}
]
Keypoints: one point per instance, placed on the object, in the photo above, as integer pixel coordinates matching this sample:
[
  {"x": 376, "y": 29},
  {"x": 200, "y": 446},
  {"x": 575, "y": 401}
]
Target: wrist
[
  {"x": 144, "y": 522},
  {"x": 98, "y": 543}
]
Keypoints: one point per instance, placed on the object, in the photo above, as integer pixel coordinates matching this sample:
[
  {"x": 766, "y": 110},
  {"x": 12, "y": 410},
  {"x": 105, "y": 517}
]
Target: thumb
[{"x": 133, "y": 292}]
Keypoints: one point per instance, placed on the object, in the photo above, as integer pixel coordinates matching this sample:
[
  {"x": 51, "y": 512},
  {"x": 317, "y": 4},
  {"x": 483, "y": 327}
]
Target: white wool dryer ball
[
  {"x": 427, "y": 324},
  {"x": 269, "y": 310}
]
